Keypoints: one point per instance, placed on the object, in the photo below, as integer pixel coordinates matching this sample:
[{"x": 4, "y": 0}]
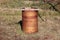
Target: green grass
[
  {"x": 49, "y": 13},
  {"x": 11, "y": 3},
  {"x": 10, "y": 13}
]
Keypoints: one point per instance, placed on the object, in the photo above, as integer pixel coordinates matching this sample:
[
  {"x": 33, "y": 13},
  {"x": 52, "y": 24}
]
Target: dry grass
[{"x": 49, "y": 29}]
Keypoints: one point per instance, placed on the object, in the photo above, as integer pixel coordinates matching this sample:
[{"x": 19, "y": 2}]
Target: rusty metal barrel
[{"x": 30, "y": 20}]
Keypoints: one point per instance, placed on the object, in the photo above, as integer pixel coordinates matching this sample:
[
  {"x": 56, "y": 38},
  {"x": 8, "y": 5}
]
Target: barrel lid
[{"x": 29, "y": 8}]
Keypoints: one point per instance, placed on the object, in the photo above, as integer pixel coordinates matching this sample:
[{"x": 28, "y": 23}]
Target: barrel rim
[{"x": 28, "y": 8}]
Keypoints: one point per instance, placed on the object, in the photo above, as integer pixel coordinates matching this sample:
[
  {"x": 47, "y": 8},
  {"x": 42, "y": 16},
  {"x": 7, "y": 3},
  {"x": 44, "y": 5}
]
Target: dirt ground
[{"x": 10, "y": 29}]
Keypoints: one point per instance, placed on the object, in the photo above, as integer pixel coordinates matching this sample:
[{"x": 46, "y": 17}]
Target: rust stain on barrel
[{"x": 30, "y": 21}]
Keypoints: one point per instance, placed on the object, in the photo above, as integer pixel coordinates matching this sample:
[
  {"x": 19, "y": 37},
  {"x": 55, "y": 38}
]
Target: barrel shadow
[{"x": 20, "y": 23}]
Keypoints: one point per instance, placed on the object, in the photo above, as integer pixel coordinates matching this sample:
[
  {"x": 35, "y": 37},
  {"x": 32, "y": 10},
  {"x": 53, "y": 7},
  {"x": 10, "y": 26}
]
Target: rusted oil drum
[{"x": 30, "y": 20}]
